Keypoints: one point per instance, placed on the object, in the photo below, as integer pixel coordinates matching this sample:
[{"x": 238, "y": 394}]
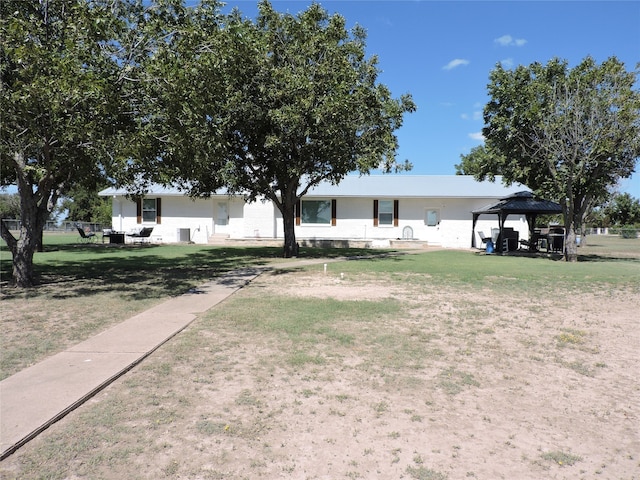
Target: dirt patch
[{"x": 442, "y": 383}]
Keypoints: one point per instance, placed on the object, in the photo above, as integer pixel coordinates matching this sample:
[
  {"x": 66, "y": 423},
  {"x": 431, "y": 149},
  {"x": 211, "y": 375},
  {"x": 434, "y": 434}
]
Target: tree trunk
[
  {"x": 573, "y": 227},
  {"x": 570, "y": 243},
  {"x": 288, "y": 221},
  {"x": 35, "y": 208},
  {"x": 22, "y": 251},
  {"x": 574, "y": 217},
  {"x": 23, "y": 276}
]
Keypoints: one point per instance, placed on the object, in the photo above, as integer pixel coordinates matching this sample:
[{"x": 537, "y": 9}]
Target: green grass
[
  {"x": 314, "y": 327},
  {"x": 561, "y": 458},
  {"x": 609, "y": 246},
  {"x": 457, "y": 268},
  {"x": 175, "y": 268},
  {"x": 422, "y": 473},
  {"x": 311, "y": 321},
  {"x": 163, "y": 269}
]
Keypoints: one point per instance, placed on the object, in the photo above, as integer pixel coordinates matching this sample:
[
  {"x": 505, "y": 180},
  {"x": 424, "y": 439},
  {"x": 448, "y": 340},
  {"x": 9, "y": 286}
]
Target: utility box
[{"x": 184, "y": 235}]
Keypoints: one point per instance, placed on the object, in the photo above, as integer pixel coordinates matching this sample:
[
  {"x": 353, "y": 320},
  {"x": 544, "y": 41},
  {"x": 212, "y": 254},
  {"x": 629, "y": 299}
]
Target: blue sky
[{"x": 442, "y": 52}]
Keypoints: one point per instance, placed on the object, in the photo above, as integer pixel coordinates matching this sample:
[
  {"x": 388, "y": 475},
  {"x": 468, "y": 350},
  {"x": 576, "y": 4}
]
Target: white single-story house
[{"x": 434, "y": 209}]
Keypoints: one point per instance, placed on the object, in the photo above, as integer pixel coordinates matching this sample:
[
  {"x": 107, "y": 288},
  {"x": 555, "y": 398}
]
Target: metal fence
[
  {"x": 15, "y": 224},
  {"x": 625, "y": 232}
]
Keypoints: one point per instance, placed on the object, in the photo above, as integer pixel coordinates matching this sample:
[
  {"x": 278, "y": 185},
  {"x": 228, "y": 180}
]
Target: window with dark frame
[
  {"x": 385, "y": 212},
  {"x": 317, "y": 212},
  {"x": 149, "y": 210}
]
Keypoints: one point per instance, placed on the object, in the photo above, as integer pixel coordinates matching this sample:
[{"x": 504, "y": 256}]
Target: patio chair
[
  {"x": 484, "y": 238},
  {"x": 86, "y": 237},
  {"x": 143, "y": 235},
  {"x": 532, "y": 243}
]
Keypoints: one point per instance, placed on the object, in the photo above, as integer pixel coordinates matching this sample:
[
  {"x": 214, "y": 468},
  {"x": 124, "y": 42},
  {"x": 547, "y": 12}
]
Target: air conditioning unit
[{"x": 184, "y": 235}]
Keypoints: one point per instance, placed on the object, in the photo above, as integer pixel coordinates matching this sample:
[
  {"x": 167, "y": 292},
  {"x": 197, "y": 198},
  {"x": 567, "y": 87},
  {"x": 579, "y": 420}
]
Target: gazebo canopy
[{"x": 521, "y": 203}]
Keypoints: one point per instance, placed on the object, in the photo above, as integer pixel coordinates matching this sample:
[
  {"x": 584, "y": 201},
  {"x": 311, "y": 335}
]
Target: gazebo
[{"x": 521, "y": 203}]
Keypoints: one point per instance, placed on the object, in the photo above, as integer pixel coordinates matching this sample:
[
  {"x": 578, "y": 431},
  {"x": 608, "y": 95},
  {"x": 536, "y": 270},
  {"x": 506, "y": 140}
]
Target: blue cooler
[{"x": 490, "y": 246}]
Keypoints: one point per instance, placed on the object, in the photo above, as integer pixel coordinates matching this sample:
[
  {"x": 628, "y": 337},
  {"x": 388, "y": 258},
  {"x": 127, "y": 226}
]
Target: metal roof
[
  {"x": 152, "y": 190},
  {"x": 521, "y": 203},
  {"x": 391, "y": 186},
  {"x": 414, "y": 186}
]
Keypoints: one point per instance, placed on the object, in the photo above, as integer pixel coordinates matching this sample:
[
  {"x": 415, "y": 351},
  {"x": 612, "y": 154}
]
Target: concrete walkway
[{"x": 35, "y": 398}]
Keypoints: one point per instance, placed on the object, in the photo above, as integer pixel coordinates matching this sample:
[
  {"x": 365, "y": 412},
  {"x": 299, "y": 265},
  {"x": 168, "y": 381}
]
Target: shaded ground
[{"x": 405, "y": 378}]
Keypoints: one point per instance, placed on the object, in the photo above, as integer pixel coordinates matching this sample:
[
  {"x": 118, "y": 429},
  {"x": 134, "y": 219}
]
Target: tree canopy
[
  {"x": 9, "y": 205},
  {"x": 623, "y": 210},
  {"x": 567, "y": 133},
  {"x": 83, "y": 204},
  {"x": 267, "y": 108},
  {"x": 61, "y": 107},
  {"x": 161, "y": 92}
]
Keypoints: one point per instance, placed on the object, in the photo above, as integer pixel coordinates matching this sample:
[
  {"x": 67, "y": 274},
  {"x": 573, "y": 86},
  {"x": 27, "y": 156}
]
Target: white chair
[{"x": 483, "y": 237}]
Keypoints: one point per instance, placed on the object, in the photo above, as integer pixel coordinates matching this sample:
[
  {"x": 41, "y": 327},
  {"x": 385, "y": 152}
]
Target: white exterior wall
[
  {"x": 199, "y": 222},
  {"x": 457, "y": 222},
  {"x": 180, "y": 212},
  {"x": 235, "y": 226},
  {"x": 354, "y": 220},
  {"x": 259, "y": 221}
]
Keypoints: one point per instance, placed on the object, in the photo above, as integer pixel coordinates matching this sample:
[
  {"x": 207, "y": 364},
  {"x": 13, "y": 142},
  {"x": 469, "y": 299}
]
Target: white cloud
[
  {"x": 509, "y": 41},
  {"x": 477, "y": 136},
  {"x": 503, "y": 40},
  {"x": 476, "y": 115},
  {"x": 507, "y": 63},
  {"x": 455, "y": 63}
]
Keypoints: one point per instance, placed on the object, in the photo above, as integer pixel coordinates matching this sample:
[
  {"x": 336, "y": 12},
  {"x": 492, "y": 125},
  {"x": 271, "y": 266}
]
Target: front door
[
  {"x": 432, "y": 226},
  {"x": 222, "y": 218}
]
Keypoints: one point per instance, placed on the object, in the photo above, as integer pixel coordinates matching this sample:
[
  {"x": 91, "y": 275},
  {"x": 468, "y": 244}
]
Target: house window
[
  {"x": 385, "y": 212},
  {"x": 316, "y": 212},
  {"x": 148, "y": 210},
  {"x": 431, "y": 218}
]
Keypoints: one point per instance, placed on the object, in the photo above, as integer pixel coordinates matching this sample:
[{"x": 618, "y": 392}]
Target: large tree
[
  {"x": 61, "y": 107},
  {"x": 83, "y": 204},
  {"x": 9, "y": 206},
  {"x": 267, "y": 108},
  {"x": 623, "y": 209},
  {"x": 567, "y": 133}
]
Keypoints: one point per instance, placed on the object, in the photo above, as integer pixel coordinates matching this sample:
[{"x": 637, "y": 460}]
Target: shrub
[{"x": 628, "y": 231}]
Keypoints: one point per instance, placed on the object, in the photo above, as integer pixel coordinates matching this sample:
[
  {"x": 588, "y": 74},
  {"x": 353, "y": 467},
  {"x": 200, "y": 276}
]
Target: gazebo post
[
  {"x": 473, "y": 230},
  {"x": 531, "y": 219},
  {"x": 502, "y": 217}
]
